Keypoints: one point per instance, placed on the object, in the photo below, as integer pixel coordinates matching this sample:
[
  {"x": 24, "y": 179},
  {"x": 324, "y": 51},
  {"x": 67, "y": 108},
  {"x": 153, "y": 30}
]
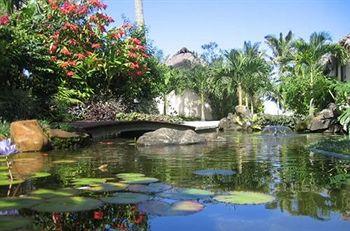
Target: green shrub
[
  {"x": 4, "y": 129},
  {"x": 134, "y": 116}
]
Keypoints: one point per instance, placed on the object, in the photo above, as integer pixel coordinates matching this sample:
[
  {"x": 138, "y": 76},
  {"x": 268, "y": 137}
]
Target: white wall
[{"x": 186, "y": 104}]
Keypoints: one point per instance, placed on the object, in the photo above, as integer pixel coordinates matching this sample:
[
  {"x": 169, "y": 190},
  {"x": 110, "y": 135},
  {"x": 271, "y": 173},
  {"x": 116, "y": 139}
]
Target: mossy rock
[
  {"x": 68, "y": 204},
  {"x": 188, "y": 194},
  {"x": 242, "y": 198},
  {"x": 139, "y": 180},
  {"x": 51, "y": 193},
  {"x": 106, "y": 187},
  {"x": 9, "y": 223},
  {"x": 18, "y": 203},
  {"x": 126, "y": 198},
  {"x": 88, "y": 181},
  {"x": 151, "y": 188}
]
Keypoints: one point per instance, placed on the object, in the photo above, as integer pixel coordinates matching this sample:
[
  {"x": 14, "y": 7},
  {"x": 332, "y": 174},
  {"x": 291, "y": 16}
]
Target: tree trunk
[
  {"x": 239, "y": 91},
  {"x": 252, "y": 105},
  {"x": 140, "y": 20},
  {"x": 202, "y": 107},
  {"x": 165, "y": 104}
]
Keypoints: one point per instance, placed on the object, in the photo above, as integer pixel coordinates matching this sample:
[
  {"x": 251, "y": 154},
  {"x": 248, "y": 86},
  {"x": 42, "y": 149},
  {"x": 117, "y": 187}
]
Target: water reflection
[{"x": 304, "y": 185}]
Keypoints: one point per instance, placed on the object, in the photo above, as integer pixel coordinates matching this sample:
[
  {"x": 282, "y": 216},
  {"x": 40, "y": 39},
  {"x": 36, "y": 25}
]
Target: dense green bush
[
  {"x": 149, "y": 117},
  {"x": 289, "y": 121},
  {"x": 4, "y": 129}
]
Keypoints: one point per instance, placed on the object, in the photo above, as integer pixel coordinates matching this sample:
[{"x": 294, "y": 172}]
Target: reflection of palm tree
[{"x": 140, "y": 20}]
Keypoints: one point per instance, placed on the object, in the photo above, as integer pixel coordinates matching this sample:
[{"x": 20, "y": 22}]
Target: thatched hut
[
  {"x": 187, "y": 103},
  {"x": 184, "y": 58}
]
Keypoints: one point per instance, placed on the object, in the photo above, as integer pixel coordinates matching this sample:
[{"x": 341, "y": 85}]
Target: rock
[
  {"x": 61, "y": 139},
  {"x": 242, "y": 120},
  {"x": 326, "y": 121},
  {"x": 213, "y": 137},
  {"x": 58, "y": 133},
  {"x": 166, "y": 136},
  {"x": 28, "y": 136}
]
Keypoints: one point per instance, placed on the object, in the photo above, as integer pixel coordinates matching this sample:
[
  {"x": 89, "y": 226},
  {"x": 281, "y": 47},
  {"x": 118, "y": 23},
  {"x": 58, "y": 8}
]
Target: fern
[{"x": 344, "y": 119}]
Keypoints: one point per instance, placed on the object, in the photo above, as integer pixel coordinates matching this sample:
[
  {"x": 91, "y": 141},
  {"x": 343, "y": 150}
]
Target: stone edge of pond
[{"x": 329, "y": 153}]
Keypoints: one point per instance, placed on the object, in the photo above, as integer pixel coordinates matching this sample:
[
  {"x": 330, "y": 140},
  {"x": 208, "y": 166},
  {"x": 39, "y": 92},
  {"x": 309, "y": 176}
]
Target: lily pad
[
  {"x": 126, "y": 198},
  {"x": 239, "y": 197},
  {"x": 129, "y": 175},
  {"x": 2, "y": 159},
  {"x": 106, "y": 187},
  {"x": 50, "y": 193},
  {"x": 18, "y": 203},
  {"x": 214, "y": 172},
  {"x": 68, "y": 204},
  {"x": 161, "y": 208},
  {"x": 151, "y": 188},
  {"x": 64, "y": 161},
  {"x": 88, "y": 181},
  {"x": 3, "y": 168},
  {"x": 4, "y": 182},
  {"x": 139, "y": 180},
  {"x": 40, "y": 175},
  {"x": 188, "y": 194},
  {"x": 14, "y": 223}
]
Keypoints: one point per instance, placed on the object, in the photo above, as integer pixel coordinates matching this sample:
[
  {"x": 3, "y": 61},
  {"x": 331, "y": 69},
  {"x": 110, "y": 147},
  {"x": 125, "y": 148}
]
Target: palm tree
[
  {"x": 281, "y": 50},
  {"x": 140, "y": 19},
  {"x": 246, "y": 71},
  {"x": 309, "y": 57}
]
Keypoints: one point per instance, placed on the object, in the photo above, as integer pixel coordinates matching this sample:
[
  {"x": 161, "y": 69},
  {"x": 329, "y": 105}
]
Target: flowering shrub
[{"x": 79, "y": 31}]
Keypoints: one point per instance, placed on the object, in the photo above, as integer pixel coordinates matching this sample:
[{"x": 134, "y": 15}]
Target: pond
[{"x": 200, "y": 187}]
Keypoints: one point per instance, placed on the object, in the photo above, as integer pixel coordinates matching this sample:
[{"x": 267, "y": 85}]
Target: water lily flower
[{"x": 7, "y": 148}]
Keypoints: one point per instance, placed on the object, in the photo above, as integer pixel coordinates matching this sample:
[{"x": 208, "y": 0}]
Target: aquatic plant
[
  {"x": 126, "y": 198},
  {"x": 239, "y": 197}
]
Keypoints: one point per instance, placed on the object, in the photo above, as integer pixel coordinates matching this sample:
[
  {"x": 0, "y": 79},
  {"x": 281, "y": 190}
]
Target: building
[{"x": 342, "y": 72}]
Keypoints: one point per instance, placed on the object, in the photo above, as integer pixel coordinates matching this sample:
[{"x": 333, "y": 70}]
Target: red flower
[
  {"x": 53, "y": 59},
  {"x": 72, "y": 42},
  {"x": 68, "y": 8},
  {"x": 132, "y": 55},
  {"x": 98, "y": 4},
  {"x": 80, "y": 56},
  {"x": 82, "y": 10},
  {"x": 96, "y": 46},
  {"x": 139, "y": 73},
  {"x": 70, "y": 26},
  {"x": 53, "y": 4},
  {"x": 64, "y": 64},
  {"x": 136, "y": 41},
  {"x": 65, "y": 51},
  {"x": 134, "y": 66},
  {"x": 98, "y": 215},
  {"x": 53, "y": 48},
  {"x": 70, "y": 73},
  {"x": 4, "y": 20}
]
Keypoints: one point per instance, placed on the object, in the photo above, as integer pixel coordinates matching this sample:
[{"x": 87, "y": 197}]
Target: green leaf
[
  {"x": 239, "y": 197},
  {"x": 126, "y": 198},
  {"x": 68, "y": 204}
]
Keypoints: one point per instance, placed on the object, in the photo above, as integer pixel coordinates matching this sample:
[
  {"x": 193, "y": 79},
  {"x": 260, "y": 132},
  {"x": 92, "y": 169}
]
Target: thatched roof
[
  {"x": 184, "y": 58},
  {"x": 345, "y": 42}
]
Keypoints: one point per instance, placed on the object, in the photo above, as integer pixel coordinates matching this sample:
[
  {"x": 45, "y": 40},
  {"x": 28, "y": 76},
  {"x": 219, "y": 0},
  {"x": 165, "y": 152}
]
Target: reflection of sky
[{"x": 220, "y": 217}]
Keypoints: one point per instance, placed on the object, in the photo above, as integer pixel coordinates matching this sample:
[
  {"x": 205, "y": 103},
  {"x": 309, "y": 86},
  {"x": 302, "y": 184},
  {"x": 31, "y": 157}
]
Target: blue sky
[{"x": 174, "y": 24}]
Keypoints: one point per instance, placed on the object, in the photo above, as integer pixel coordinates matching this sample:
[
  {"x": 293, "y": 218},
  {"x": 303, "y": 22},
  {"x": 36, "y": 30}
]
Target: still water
[{"x": 311, "y": 191}]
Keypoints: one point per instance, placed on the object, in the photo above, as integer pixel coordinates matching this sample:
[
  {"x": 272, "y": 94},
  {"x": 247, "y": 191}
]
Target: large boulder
[
  {"x": 167, "y": 136},
  {"x": 325, "y": 120},
  {"x": 242, "y": 120},
  {"x": 28, "y": 136}
]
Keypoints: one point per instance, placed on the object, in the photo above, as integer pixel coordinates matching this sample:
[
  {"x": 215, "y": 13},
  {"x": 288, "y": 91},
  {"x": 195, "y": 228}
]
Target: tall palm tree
[
  {"x": 244, "y": 70},
  {"x": 140, "y": 19},
  {"x": 281, "y": 50}
]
